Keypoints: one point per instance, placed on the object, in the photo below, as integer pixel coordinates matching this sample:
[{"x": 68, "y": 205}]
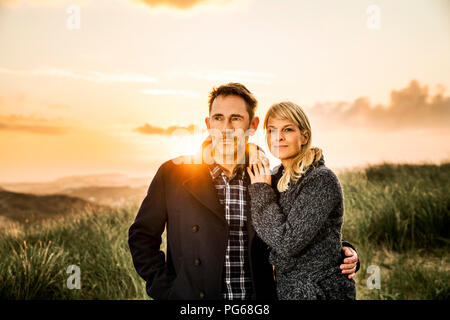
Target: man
[{"x": 212, "y": 249}]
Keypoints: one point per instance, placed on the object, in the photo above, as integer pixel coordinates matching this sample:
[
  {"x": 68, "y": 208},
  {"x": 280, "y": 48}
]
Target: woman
[{"x": 301, "y": 220}]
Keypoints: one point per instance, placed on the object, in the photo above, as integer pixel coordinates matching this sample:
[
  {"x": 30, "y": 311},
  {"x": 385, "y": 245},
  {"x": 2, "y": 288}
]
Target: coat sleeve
[
  {"x": 144, "y": 239},
  {"x": 288, "y": 233}
]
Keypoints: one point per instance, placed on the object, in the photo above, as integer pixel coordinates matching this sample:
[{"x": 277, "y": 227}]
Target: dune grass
[
  {"x": 396, "y": 215},
  {"x": 400, "y": 206},
  {"x": 37, "y": 257}
]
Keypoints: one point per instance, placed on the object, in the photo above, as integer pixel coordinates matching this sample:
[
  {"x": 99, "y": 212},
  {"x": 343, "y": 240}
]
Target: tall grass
[
  {"x": 396, "y": 215},
  {"x": 415, "y": 274},
  {"x": 400, "y": 206},
  {"x": 35, "y": 258},
  {"x": 398, "y": 218}
]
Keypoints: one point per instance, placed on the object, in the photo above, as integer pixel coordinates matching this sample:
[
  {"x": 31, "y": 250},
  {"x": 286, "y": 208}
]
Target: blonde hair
[{"x": 308, "y": 155}]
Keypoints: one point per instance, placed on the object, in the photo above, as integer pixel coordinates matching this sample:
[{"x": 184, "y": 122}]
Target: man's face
[{"x": 229, "y": 124}]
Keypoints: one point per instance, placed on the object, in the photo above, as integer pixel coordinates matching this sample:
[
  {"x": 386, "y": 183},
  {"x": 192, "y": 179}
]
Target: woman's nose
[{"x": 276, "y": 138}]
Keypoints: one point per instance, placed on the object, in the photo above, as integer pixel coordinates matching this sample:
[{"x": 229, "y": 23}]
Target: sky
[{"x": 98, "y": 86}]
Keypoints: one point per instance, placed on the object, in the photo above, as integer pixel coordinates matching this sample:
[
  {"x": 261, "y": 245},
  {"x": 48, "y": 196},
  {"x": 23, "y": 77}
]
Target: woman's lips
[{"x": 280, "y": 147}]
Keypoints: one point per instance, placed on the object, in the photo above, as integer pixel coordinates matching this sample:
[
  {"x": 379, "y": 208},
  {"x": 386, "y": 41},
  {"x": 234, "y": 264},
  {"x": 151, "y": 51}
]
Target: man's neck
[
  {"x": 227, "y": 166},
  {"x": 228, "y": 169}
]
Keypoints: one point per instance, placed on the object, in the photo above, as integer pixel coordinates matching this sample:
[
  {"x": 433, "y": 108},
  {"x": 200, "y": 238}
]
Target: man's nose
[
  {"x": 227, "y": 130},
  {"x": 228, "y": 126}
]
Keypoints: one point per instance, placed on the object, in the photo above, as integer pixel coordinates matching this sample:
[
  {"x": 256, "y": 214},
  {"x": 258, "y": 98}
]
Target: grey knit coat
[{"x": 302, "y": 226}]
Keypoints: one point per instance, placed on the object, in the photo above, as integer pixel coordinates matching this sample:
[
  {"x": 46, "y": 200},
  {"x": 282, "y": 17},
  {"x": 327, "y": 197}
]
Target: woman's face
[{"x": 284, "y": 138}]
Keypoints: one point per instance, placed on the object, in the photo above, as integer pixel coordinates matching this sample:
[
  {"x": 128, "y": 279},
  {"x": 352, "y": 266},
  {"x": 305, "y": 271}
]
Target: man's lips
[{"x": 280, "y": 146}]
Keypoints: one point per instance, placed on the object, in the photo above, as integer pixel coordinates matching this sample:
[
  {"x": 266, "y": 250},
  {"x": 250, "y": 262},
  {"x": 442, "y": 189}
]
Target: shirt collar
[{"x": 217, "y": 170}]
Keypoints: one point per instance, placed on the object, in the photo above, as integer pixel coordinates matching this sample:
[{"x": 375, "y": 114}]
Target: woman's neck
[{"x": 286, "y": 162}]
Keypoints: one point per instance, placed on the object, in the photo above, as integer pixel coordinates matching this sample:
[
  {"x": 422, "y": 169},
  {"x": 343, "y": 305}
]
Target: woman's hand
[{"x": 260, "y": 171}]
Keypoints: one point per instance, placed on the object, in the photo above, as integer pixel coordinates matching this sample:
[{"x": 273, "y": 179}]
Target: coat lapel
[{"x": 200, "y": 185}]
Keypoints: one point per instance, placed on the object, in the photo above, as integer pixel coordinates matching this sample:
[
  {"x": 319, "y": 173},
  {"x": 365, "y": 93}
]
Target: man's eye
[
  {"x": 218, "y": 118},
  {"x": 235, "y": 118}
]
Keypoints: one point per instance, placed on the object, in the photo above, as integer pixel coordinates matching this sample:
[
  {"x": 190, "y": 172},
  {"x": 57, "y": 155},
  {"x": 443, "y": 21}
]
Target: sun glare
[{"x": 186, "y": 144}]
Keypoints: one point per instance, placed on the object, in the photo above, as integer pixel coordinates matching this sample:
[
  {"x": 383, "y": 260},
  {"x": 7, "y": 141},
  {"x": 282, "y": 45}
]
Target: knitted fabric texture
[{"x": 302, "y": 226}]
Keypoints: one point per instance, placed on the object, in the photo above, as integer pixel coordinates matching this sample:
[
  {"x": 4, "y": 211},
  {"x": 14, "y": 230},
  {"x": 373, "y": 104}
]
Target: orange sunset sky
[{"x": 103, "y": 93}]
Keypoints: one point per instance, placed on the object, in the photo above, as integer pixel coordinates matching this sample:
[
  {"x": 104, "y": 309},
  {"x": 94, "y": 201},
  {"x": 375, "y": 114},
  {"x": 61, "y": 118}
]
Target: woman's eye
[{"x": 288, "y": 129}]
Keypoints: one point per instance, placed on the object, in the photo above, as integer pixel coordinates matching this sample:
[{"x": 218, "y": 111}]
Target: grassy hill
[
  {"x": 81, "y": 181},
  {"x": 111, "y": 189},
  {"x": 107, "y": 195},
  {"x": 396, "y": 215},
  {"x": 28, "y": 208}
]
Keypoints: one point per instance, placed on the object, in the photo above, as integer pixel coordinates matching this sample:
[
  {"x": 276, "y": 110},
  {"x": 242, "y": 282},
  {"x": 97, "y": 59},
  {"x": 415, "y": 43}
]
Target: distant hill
[
  {"x": 108, "y": 179},
  {"x": 111, "y": 196},
  {"x": 26, "y": 208},
  {"x": 72, "y": 182}
]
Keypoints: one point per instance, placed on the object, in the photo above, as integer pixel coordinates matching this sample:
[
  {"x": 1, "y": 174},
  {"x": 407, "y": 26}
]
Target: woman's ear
[{"x": 304, "y": 137}]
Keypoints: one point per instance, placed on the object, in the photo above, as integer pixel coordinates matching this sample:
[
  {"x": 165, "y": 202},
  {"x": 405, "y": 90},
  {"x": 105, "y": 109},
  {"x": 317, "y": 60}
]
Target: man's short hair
[{"x": 235, "y": 89}]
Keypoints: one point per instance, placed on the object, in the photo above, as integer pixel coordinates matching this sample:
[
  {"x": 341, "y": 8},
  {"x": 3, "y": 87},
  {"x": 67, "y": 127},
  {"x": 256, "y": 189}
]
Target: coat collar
[
  {"x": 199, "y": 181},
  {"x": 200, "y": 185}
]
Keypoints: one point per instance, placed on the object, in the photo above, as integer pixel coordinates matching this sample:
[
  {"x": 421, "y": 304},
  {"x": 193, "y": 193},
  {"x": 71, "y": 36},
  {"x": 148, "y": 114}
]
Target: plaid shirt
[{"x": 232, "y": 193}]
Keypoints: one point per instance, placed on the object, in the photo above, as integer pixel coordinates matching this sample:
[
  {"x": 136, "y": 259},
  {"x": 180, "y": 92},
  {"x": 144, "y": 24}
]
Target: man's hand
[{"x": 349, "y": 265}]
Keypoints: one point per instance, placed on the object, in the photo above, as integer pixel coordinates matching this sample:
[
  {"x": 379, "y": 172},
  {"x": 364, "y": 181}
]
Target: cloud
[
  {"x": 58, "y": 106},
  {"x": 178, "y": 4},
  {"x": 42, "y": 3},
  {"x": 149, "y": 129},
  {"x": 171, "y": 92},
  {"x": 31, "y": 124},
  {"x": 224, "y": 76},
  {"x": 409, "y": 108},
  {"x": 93, "y": 76}
]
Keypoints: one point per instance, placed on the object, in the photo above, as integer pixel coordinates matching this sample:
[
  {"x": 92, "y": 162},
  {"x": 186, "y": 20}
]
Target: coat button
[
  {"x": 202, "y": 295},
  {"x": 197, "y": 262},
  {"x": 195, "y": 228}
]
